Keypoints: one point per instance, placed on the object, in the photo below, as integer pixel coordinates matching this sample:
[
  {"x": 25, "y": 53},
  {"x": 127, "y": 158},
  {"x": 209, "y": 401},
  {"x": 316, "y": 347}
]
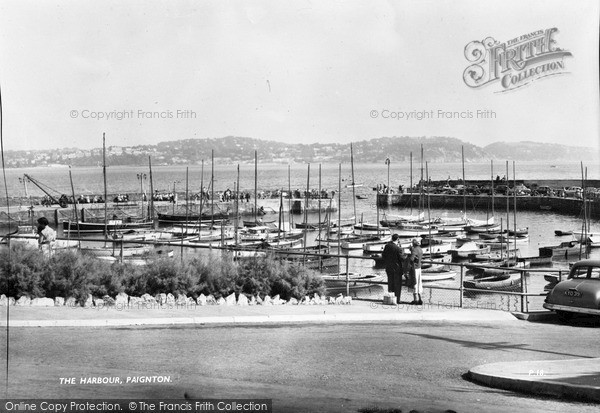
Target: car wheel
[{"x": 564, "y": 315}]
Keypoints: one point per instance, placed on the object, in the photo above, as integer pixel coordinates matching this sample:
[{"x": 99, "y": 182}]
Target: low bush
[
  {"x": 25, "y": 271},
  {"x": 21, "y": 268}
]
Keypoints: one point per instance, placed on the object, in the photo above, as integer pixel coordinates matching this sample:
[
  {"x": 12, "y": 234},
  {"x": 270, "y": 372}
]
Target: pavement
[{"x": 574, "y": 379}]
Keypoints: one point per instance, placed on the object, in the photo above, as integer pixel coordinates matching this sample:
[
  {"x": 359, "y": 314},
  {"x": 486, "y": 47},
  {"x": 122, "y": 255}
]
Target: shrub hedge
[{"x": 25, "y": 271}]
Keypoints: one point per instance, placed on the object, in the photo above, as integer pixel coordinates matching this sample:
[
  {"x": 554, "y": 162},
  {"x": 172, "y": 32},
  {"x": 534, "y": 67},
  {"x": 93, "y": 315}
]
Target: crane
[{"x": 63, "y": 200}]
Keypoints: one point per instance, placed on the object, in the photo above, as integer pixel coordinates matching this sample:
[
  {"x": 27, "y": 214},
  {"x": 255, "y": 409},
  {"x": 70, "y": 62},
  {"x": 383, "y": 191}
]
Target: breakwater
[
  {"x": 570, "y": 206},
  {"x": 95, "y": 212}
]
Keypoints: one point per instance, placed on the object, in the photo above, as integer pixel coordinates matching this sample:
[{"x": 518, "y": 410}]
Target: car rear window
[{"x": 586, "y": 272}]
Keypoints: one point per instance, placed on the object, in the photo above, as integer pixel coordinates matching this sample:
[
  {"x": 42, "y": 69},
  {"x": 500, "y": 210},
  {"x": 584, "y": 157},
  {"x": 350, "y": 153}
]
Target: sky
[{"x": 291, "y": 71}]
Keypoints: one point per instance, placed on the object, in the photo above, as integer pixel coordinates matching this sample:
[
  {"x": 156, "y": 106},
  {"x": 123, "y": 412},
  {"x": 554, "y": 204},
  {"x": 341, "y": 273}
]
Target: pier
[
  {"x": 91, "y": 212},
  {"x": 569, "y": 205}
]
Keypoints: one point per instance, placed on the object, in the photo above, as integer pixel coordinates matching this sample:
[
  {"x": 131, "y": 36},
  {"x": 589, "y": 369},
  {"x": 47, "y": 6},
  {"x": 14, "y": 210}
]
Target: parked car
[
  {"x": 573, "y": 192},
  {"x": 543, "y": 191},
  {"x": 579, "y": 293},
  {"x": 520, "y": 189},
  {"x": 501, "y": 189}
]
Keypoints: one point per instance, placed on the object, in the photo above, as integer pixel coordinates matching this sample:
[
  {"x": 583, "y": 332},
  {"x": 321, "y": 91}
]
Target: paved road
[{"x": 319, "y": 367}]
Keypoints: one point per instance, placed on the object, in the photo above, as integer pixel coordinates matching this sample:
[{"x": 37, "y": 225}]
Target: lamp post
[
  {"x": 142, "y": 177},
  {"x": 174, "y": 194},
  {"x": 387, "y": 162}
]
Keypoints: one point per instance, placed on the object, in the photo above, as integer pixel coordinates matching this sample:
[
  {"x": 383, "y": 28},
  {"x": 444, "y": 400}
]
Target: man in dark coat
[{"x": 392, "y": 258}]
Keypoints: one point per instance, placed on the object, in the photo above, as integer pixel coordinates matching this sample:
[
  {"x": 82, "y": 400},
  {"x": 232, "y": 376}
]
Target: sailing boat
[
  {"x": 107, "y": 226},
  {"x": 353, "y": 184},
  {"x": 489, "y": 226},
  {"x": 406, "y": 221},
  {"x": 585, "y": 236}
]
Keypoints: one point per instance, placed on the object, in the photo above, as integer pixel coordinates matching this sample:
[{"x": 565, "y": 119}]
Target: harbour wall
[
  {"x": 569, "y": 206},
  {"x": 95, "y": 212}
]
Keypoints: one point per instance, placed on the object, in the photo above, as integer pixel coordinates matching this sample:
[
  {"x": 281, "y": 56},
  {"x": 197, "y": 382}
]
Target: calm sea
[
  {"x": 88, "y": 180},
  {"x": 124, "y": 179}
]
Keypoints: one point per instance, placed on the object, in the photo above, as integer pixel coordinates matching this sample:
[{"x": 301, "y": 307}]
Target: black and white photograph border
[{"x": 266, "y": 206}]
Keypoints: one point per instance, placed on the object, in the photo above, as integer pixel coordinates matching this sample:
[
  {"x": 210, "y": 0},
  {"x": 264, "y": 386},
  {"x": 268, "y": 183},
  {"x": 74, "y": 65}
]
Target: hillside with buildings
[{"x": 233, "y": 150}]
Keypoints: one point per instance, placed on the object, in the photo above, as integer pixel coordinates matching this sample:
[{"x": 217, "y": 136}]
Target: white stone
[
  {"x": 89, "y": 301},
  {"x": 201, "y": 300},
  {"x": 189, "y": 301},
  {"x": 252, "y": 301},
  {"x": 259, "y": 300},
  {"x": 292, "y": 301},
  {"x": 42, "y": 302},
  {"x": 122, "y": 300},
  {"x": 12, "y": 301},
  {"x": 71, "y": 302},
  {"x": 267, "y": 300},
  {"x": 230, "y": 299},
  {"x": 181, "y": 299},
  {"x": 98, "y": 302},
  {"x": 242, "y": 300},
  {"x": 136, "y": 301},
  {"x": 59, "y": 301},
  {"x": 210, "y": 300},
  {"x": 221, "y": 301},
  {"x": 147, "y": 298},
  {"x": 3, "y": 300},
  {"x": 109, "y": 301},
  {"x": 170, "y": 299},
  {"x": 276, "y": 300},
  {"x": 23, "y": 301}
]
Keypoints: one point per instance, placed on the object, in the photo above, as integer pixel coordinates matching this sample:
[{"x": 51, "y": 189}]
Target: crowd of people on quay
[
  {"x": 384, "y": 189},
  {"x": 500, "y": 187}
]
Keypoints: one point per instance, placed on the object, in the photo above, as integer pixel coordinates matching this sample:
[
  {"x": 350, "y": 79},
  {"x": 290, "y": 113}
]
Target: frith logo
[{"x": 516, "y": 62}]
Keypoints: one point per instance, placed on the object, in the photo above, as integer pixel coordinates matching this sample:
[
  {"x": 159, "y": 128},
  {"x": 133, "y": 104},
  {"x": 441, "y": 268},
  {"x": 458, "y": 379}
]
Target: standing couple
[{"x": 398, "y": 264}]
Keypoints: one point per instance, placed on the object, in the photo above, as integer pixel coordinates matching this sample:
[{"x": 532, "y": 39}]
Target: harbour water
[
  {"x": 123, "y": 179},
  {"x": 541, "y": 224}
]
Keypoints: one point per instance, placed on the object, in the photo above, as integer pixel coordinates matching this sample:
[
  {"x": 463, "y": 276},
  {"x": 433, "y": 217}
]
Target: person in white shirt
[{"x": 46, "y": 236}]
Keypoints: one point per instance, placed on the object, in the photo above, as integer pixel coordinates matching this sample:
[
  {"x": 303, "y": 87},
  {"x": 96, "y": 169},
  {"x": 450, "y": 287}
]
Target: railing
[{"x": 516, "y": 298}]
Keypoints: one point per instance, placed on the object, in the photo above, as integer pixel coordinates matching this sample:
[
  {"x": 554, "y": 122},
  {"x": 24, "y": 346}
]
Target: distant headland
[{"x": 232, "y": 150}]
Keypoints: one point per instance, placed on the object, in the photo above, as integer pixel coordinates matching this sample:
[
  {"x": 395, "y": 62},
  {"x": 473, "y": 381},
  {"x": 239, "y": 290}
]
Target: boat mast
[
  {"x": 105, "y": 194},
  {"x": 514, "y": 209},
  {"x": 492, "y": 176},
  {"x": 430, "y": 242},
  {"x": 339, "y": 249},
  {"x": 462, "y": 151},
  {"x": 237, "y": 207},
  {"x": 151, "y": 204},
  {"x": 319, "y": 224},
  {"x": 255, "y": 185},
  {"x": 306, "y": 207},
  {"x": 353, "y": 183},
  {"x": 212, "y": 188},
  {"x": 201, "y": 200},
  {"x": 507, "y": 212},
  {"x": 584, "y": 225},
  {"x": 280, "y": 216},
  {"x": 74, "y": 206},
  {"x": 290, "y": 216},
  {"x": 187, "y": 209},
  {"x": 421, "y": 185},
  {"x": 411, "y": 183}
]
